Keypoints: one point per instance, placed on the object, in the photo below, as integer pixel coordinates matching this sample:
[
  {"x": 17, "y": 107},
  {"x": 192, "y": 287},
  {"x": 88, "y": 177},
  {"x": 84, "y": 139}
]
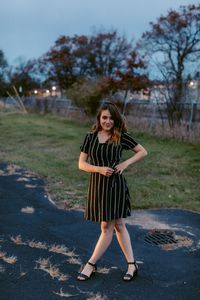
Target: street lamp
[
  {"x": 191, "y": 84},
  {"x": 193, "y": 100}
]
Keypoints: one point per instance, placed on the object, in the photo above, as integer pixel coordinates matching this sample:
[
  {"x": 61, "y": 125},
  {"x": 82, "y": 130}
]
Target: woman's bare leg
[
  {"x": 124, "y": 241},
  {"x": 103, "y": 243}
]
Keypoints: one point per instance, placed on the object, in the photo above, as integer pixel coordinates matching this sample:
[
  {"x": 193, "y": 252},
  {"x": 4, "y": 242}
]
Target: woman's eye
[{"x": 106, "y": 118}]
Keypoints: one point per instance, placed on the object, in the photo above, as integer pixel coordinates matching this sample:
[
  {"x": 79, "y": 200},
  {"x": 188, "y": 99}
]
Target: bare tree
[
  {"x": 173, "y": 42},
  {"x": 23, "y": 77},
  {"x": 108, "y": 53}
]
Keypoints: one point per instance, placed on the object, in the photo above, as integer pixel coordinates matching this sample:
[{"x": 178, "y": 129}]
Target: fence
[
  {"x": 142, "y": 109},
  {"x": 155, "y": 111},
  {"x": 43, "y": 105}
]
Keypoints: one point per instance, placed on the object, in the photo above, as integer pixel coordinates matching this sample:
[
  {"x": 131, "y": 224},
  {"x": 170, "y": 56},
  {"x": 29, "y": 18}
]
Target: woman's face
[{"x": 106, "y": 121}]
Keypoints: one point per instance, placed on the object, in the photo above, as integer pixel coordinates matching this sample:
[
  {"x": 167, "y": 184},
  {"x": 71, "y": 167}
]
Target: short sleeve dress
[{"x": 108, "y": 198}]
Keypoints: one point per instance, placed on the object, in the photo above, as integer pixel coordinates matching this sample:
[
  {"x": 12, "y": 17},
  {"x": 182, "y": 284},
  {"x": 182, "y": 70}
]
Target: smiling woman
[
  {"x": 108, "y": 200},
  {"x": 109, "y": 123}
]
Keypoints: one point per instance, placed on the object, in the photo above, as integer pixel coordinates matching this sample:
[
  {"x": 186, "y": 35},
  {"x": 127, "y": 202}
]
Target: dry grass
[
  {"x": 74, "y": 261},
  {"x": 28, "y": 210},
  {"x": 52, "y": 270},
  {"x": 63, "y": 294},
  {"x": 63, "y": 277},
  {"x": 10, "y": 259},
  {"x": 22, "y": 274},
  {"x": 61, "y": 249},
  {"x": 30, "y": 186},
  {"x": 181, "y": 241},
  {"x": 97, "y": 296},
  {"x": 103, "y": 270},
  {"x": 17, "y": 240},
  {"x": 22, "y": 179},
  {"x": 71, "y": 253},
  {"x": 155, "y": 127},
  {"x": 33, "y": 244},
  {"x": 10, "y": 170},
  {"x": 2, "y": 254},
  {"x": 43, "y": 262},
  {"x": 38, "y": 245}
]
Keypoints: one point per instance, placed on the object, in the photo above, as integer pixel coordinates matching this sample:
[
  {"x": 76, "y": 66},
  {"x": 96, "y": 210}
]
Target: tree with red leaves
[
  {"x": 133, "y": 78},
  {"x": 72, "y": 58},
  {"x": 107, "y": 60},
  {"x": 64, "y": 62}
]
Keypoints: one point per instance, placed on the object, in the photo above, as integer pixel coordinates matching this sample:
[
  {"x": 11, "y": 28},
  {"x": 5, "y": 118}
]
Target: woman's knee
[
  {"x": 107, "y": 227},
  {"x": 120, "y": 226}
]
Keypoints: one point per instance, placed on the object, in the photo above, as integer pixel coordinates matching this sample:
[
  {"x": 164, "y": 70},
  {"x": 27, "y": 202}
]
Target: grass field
[{"x": 49, "y": 145}]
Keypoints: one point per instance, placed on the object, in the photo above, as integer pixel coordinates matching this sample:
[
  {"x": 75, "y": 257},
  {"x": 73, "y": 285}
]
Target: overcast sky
[{"x": 28, "y": 28}]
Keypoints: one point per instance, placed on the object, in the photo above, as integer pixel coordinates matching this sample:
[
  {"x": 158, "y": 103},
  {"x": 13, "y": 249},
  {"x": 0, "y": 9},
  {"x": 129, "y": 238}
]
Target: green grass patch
[{"x": 50, "y": 145}]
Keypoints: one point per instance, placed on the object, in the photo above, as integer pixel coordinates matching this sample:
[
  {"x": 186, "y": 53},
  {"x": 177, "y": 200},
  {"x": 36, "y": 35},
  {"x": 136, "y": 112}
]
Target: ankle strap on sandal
[
  {"x": 131, "y": 263},
  {"x": 93, "y": 265}
]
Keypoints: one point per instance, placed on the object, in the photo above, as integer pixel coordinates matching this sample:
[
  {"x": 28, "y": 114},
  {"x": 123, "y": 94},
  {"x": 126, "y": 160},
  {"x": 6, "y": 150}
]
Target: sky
[{"x": 29, "y": 28}]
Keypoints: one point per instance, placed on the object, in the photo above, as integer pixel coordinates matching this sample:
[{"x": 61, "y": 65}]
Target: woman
[{"x": 108, "y": 199}]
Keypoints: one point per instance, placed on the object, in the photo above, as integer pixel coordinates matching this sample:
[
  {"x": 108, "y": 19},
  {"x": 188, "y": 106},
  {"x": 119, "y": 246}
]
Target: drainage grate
[{"x": 160, "y": 237}]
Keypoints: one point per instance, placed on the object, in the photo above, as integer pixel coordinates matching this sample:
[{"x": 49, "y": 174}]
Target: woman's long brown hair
[{"x": 119, "y": 124}]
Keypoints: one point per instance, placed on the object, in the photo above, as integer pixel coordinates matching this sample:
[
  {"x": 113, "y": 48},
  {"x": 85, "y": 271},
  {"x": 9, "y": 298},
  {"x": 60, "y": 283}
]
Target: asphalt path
[{"x": 43, "y": 247}]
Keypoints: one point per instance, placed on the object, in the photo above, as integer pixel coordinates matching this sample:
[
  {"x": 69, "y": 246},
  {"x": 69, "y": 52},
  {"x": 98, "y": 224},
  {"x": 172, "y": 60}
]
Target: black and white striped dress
[{"x": 108, "y": 197}]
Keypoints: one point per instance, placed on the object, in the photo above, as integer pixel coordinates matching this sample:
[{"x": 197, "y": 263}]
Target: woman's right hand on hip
[{"x": 106, "y": 171}]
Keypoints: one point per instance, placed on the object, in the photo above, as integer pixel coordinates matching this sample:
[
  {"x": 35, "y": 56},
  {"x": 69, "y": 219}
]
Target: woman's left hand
[{"x": 121, "y": 167}]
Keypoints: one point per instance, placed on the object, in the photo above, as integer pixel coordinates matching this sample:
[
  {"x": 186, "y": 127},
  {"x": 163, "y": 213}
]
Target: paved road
[{"x": 42, "y": 248}]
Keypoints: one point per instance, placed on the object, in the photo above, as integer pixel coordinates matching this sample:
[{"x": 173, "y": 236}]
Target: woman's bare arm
[
  {"x": 140, "y": 152},
  {"x": 85, "y": 166}
]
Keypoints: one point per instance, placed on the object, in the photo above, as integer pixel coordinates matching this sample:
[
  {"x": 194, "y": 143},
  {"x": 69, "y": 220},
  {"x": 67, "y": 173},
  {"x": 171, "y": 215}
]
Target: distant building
[{"x": 191, "y": 92}]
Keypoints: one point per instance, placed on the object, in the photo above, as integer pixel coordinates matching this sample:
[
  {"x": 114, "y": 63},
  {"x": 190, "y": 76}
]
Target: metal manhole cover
[{"x": 160, "y": 237}]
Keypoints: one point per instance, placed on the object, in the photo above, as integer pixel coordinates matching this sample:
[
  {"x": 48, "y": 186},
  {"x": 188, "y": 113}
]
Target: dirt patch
[
  {"x": 181, "y": 241},
  {"x": 167, "y": 239}
]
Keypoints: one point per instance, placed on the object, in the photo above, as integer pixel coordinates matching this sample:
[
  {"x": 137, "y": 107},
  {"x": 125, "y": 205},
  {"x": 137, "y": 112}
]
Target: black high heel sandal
[
  {"x": 128, "y": 276},
  {"x": 84, "y": 277}
]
